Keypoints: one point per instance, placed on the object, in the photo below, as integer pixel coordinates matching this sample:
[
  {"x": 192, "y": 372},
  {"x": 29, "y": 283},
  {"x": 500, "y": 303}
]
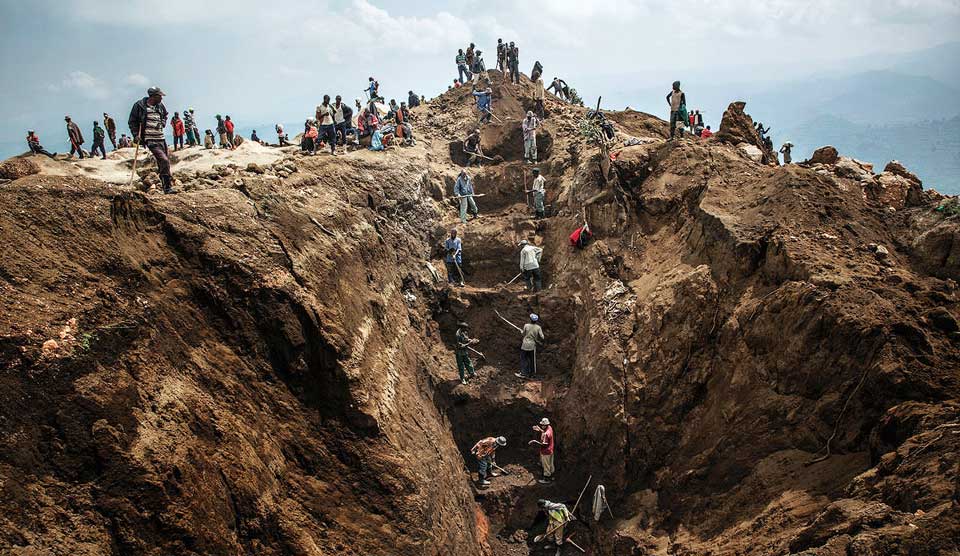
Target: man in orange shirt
[
  {"x": 485, "y": 451},
  {"x": 706, "y": 133}
]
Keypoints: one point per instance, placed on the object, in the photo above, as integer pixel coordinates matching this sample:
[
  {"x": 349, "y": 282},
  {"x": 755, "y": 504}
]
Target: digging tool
[
  {"x": 539, "y": 538},
  {"x": 459, "y": 271},
  {"x": 502, "y": 470},
  {"x": 577, "y": 546},
  {"x": 136, "y": 153},
  {"x": 506, "y": 321},
  {"x": 477, "y": 352},
  {"x": 525, "y": 190},
  {"x": 465, "y": 196},
  {"x": 512, "y": 280},
  {"x": 481, "y": 155}
]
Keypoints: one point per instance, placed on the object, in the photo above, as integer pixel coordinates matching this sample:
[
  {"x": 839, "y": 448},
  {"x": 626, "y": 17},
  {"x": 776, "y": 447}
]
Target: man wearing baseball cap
[
  {"x": 147, "y": 120},
  {"x": 546, "y": 449}
]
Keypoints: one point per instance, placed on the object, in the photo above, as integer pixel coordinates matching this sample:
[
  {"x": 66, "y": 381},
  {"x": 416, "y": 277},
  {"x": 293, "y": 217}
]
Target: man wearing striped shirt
[{"x": 147, "y": 120}]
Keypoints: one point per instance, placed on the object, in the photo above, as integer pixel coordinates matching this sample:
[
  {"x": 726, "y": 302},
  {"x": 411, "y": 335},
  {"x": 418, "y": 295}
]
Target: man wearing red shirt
[
  {"x": 706, "y": 133},
  {"x": 546, "y": 448}
]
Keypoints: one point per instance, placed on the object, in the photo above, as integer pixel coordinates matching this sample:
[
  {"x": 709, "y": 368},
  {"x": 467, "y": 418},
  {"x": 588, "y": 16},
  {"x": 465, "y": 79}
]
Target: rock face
[
  {"x": 737, "y": 128},
  {"x": 16, "y": 168},
  {"x": 752, "y": 359},
  {"x": 824, "y": 155}
]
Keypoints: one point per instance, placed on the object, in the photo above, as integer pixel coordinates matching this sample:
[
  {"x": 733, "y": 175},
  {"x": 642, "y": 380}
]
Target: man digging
[{"x": 485, "y": 451}]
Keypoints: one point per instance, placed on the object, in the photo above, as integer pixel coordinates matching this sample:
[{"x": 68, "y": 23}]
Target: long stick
[
  {"x": 506, "y": 321},
  {"x": 514, "y": 278},
  {"x": 462, "y": 280},
  {"x": 136, "y": 153},
  {"x": 471, "y": 195},
  {"x": 478, "y": 154},
  {"x": 539, "y": 538},
  {"x": 578, "y": 547},
  {"x": 477, "y": 352}
]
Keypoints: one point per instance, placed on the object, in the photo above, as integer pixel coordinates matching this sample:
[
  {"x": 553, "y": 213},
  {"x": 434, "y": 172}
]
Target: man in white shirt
[
  {"x": 530, "y": 265},
  {"x": 539, "y": 191}
]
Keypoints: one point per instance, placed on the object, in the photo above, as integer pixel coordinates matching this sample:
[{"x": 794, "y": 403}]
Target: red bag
[{"x": 580, "y": 237}]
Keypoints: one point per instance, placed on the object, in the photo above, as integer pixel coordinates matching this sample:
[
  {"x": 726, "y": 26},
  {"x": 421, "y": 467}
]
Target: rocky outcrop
[
  {"x": 16, "y": 168},
  {"x": 824, "y": 155}
]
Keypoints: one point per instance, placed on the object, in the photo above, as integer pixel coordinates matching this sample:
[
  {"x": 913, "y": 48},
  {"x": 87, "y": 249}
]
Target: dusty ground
[{"x": 752, "y": 359}]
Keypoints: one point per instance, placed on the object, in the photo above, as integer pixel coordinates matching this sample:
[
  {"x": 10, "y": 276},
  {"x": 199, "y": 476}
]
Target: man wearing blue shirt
[
  {"x": 453, "y": 249},
  {"x": 463, "y": 189}
]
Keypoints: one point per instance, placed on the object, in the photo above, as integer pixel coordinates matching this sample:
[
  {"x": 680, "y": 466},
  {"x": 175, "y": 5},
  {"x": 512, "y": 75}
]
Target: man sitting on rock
[
  {"x": 485, "y": 452},
  {"x": 33, "y": 142}
]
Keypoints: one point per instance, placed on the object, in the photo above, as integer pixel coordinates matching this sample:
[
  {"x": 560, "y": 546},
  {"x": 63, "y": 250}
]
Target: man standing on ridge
[
  {"x": 148, "y": 118},
  {"x": 546, "y": 449},
  {"x": 532, "y": 337},
  {"x": 111, "y": 127},
  {"x": 468, "y": 57},
  {"x": 228, "y": 125},
  {"x": 485, "y": 451},
  {"x": 221, "y": 132},
  {"x": 196, "y": 130},
  {"x": 178, "y": 131},
  {"x": 98, "y": 137},
  {"x": 325, "y": 119},
  {"x": 501, "y": 56},
  {"x": 75, "y": 136},
  {"x": 538, "y": 94},
  {"x": 529, "y": 127},
  {"x": 677, "y": 101},
  {"x": 33, "y": 142},
  {"x": 188, "y": 125},
  {"x": 513, "y": 60},
  {"x": 463, "y": 188},
  {"x": 462, "y": 67},
  {"x": 785, "y": 151},
  {"x": 530, "y": 265},
  {"x": 413, "y": 100},
  {"x": 464, "y": 341}
]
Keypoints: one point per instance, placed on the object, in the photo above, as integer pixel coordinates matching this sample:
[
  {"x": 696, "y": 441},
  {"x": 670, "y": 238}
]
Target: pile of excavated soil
[{"x": 752, "y": 359}]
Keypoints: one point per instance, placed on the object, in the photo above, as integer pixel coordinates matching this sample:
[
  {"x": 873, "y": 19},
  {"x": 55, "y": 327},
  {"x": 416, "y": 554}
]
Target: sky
[{"x": 265, "y": 62}]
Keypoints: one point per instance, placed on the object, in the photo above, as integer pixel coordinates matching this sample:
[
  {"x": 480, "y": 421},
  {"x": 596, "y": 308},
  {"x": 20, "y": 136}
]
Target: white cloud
[
  {"x": 137, "y": 80},
  {"x": 83, "y": 83}
]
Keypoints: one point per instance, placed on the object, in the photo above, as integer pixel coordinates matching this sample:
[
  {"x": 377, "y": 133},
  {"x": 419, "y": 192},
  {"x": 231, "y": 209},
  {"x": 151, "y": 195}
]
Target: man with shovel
[
  {"x": 147, "y": 120},
  {"x": 464, "y": 341},
  {"x": 485, "y": 451},
  {"x": 454, "y": 258},
  {"x": 463, "y": 190},
  {"x": 558, "y": 516}
]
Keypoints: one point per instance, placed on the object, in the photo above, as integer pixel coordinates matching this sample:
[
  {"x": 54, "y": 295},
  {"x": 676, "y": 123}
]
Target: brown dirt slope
[{"x": 752, "y": 359}]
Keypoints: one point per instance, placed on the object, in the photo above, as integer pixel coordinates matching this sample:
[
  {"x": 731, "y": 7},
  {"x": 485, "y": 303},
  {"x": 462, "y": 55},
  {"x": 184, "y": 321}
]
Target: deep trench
[{"x": 496, "y": 402}]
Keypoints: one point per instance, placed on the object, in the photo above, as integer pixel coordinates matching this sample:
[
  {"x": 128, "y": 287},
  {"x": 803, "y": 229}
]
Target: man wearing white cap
[
  {"x": 532, "y": 336},
  {"x": 485, "y": 451},
  {"x": 530, "y": 265},
  {"x": 546, "y": 449}
]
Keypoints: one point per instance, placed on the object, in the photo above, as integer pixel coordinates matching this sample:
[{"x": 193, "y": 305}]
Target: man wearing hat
[
  {"x": 530, "y": 265},
  {"x": 463, "y": 356},
  {"x": 453, "y": 258},
  {"x": 34, "y": 143},
  {"x": 148, "y": 118},
  {"x": 485, "y": 451},
  {"x": 546, "y": 449},
  {"x": 76, "y": 138},
  {"x": 532, "y": 337}
]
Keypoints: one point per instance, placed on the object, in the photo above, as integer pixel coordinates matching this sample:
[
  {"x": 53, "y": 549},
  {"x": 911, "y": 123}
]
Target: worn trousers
[
  {"x": 462, "y": 68},
  {"x": 466, "y": 202},
  {"x": 178, "y": 141},
  {"x": 329, "y": 134},
  {"x": 530, "y": 148},
  {"x": 75, "y": 148},
  {"x": 113, "y": 138},
  {"x": 533, "y": 279},
  {"x": 546, "y": 461},
  {"x": 191, "y": 140},
  {"x": 674, "y": 118},
  {"x": 159, "y": 151},
  {"x": 527, "y": 364},
  {"x": 538, "y": 205},
  {"x": 453, "y": 274},
  {"x": 485, "y": 466},
  {"x": 98, "y": 147},
  {"x": 465, "y": 366}
]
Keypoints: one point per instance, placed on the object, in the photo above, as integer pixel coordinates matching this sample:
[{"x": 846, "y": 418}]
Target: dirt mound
[
  {"x": 824, "y": 155},
  {"x": 751, "y": 359},
  {"x": 16, "y": 168},
  {"x": 737, "y": 128}
]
